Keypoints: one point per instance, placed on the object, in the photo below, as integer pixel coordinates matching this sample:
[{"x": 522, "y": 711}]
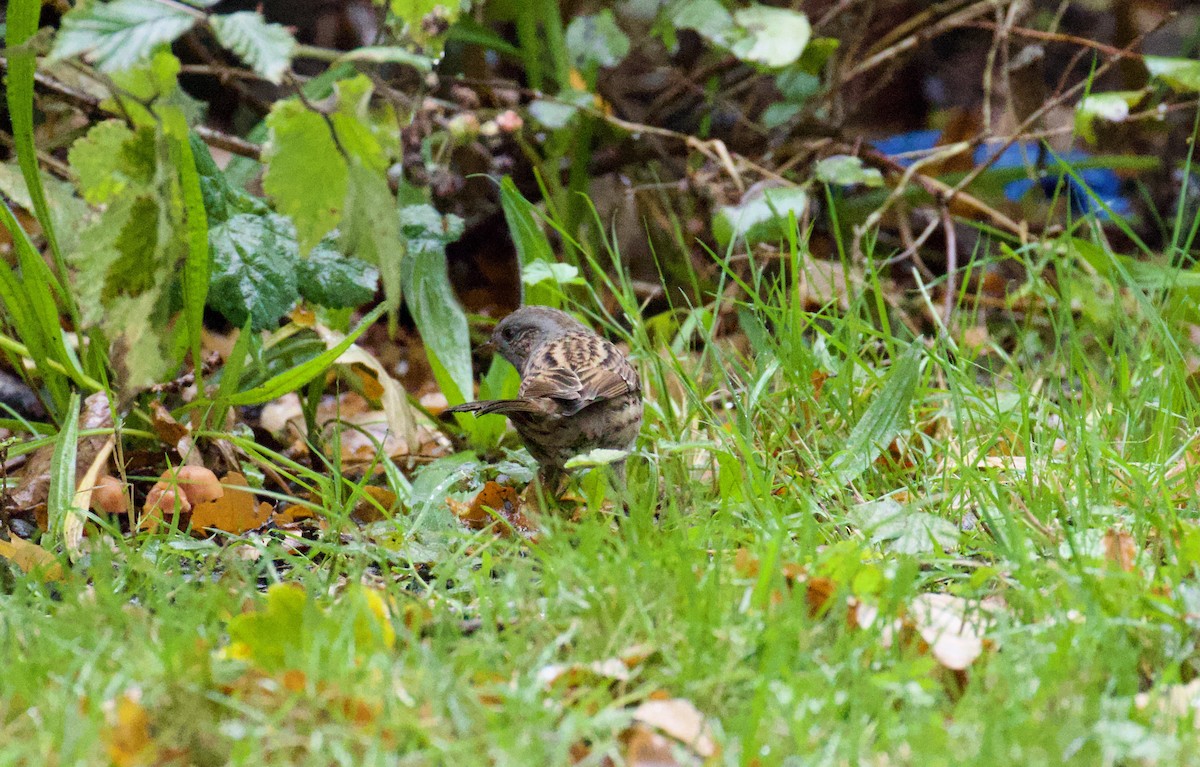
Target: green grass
[{"x": 1084, "y": 378}]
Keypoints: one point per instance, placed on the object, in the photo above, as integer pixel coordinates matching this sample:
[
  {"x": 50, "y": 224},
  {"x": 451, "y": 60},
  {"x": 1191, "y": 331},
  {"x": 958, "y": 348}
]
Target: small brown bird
[{"x": 578, "y": 391}]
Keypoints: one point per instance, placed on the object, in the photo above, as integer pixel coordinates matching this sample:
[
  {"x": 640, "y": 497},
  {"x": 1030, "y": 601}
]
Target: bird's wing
[{"x": 577, "y": 370}]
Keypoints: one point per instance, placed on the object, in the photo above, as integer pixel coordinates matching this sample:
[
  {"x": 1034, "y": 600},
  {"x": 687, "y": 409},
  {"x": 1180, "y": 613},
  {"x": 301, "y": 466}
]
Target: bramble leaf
[
  {"x": 267, "y": 48},
  {"x": 120, "y": 34},
  {"x": 254, "y": 262}
]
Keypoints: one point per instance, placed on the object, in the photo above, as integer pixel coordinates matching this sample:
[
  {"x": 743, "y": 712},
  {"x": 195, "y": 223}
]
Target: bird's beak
[{"x": 487, "y": 347}]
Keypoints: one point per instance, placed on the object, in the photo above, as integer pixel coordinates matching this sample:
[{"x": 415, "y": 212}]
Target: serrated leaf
[
  {"x": 306, "y": 175},
  {"x": 431, "y": 300},
  {"x": 148, "y": 91},
  {"x": 253, "y": 272},
  {"x": 330, "y": 279},
  {"x": 221, "y": 199},
  {"x": 596, "y": 40},
  {"x": 267, "y": 48},
  {"x": 120, "y": 34},
  {"x": 97, "y": 161}
]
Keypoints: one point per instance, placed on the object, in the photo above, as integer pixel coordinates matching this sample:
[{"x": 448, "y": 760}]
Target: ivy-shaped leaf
[
  {"x": 267, "y": 48},
  {"x": 253, "y": 273},
  {"x": 120, "y": 34}
]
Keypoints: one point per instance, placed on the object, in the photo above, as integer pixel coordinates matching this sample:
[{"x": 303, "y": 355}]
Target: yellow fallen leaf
[{"x": 31, "y": 558}]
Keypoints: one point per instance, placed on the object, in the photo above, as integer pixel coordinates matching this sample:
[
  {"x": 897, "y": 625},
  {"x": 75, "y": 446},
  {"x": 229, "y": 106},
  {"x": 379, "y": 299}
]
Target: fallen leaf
[
  {"x": 952, "y": 631},
  {"x": 127, "y": 739},
  {"x": 392, "y": 396},
  {"x": 618, "y": 669},
  {"x": 493, "y": 497},
  {"x": 235, "y": 512},
  {"x": 1120, "y": 551},
  {"x": 679, "y": 719},
  {"x": 31, "y": 558},
  {"x": 646, "y": 748}
]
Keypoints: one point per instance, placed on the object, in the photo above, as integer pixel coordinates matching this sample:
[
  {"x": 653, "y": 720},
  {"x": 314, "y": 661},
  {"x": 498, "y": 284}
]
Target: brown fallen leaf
[
  {"x": 33, "y": 487},
  {"x": 646, "y": 748},
  {"x": 235, "y": 512},
  {"x": 1120, "y": 551}
]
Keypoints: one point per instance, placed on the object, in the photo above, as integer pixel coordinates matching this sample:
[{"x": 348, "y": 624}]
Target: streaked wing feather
[{"x": 576, "y": 371}]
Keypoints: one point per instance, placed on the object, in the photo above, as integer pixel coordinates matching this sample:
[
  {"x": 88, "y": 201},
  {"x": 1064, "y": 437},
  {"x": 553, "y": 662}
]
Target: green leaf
[
  {"x": 1181, "y": 75},
  {"x": 196, "y": 267},
  {"x": 371, "y": 230},
  {"x": 530, "y": 240},
  {"x": 352, "y": 123},
  {"x": 270, "y": 637},
  {"x": 904, "y": 531},
  {"x": 708, "y": 18},
  {"x": 426, "y": 22},
  {"x": 221, "y": 199},
  {"x": 267, "y": 48},
  {"x": 775, "y": 37},
  {"x": 67, "y": 209},
  {"x": 254, "y": 261},
  {"x": 380, "y": 54},
  {"x": 1113, "y": 107},
  {"x": 431, "y": 300},
  {"x": 306, "y": 174},
  {"x": 883, "y": 421},
  {"x": 330, "y": 279},
  {"x": 552, "y": 114},
  {"x": 62, "y": 471},
  {"x": 299, "y": 375},
  {"x": 147, "y": 92},
  {"x": 102, "y": 164},
  {"x": 22, "y": 24},
  {"x": 596, "y": 41},
  {"x": 846, "y": 170},
  {"x": 539, "y": 272},
  {"x": 760, "y": 217},
  {"x": 120, "y": 34}
]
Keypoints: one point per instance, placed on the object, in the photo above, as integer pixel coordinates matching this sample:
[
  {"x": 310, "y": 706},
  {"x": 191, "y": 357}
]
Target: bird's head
[{"x": 524, "y": 330}]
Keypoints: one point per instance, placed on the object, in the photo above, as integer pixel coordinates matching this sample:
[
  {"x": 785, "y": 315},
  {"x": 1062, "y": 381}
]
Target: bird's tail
[{"x": 501, "y": 406}]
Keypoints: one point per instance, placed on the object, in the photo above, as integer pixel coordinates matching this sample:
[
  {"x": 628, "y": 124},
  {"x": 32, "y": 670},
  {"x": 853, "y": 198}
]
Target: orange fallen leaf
[
  {"x": 235, "y": 512},
  {"x": 127, "y": 739}
]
